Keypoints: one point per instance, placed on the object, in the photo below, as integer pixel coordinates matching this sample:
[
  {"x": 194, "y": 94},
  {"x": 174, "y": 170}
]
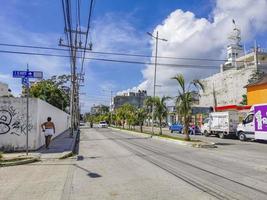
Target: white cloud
[{"x": 192, "y": 37}]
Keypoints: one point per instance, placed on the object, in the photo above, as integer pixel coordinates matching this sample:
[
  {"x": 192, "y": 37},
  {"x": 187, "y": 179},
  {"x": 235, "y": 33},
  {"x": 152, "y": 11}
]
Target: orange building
[{"x": 257, "y": 92}]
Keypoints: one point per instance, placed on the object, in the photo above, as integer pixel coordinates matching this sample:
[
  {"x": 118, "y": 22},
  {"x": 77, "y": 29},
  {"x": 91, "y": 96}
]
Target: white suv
[{"x": 103, "y": 124}]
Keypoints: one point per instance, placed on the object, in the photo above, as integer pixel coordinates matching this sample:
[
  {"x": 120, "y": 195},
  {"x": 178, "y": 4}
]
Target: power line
[
  {"x": 115, "y": 53},
  {"x": 87, "y": 32},
  {"x": 114, "y": 60}
]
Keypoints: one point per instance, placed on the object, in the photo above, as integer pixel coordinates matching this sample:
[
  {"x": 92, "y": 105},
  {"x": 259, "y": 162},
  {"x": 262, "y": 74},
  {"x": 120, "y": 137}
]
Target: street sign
[
  {"x": 25, "y": 75},
  {"x": 25, "y": 81},
  {"x": 35, "y": 74},
  {"x": 29, "y": 74},
  {"x": 19, "y": 74}
]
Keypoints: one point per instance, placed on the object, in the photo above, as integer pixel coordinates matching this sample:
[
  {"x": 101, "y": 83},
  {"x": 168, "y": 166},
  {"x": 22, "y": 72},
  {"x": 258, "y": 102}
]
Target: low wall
[{"x": 13, "y": 122}]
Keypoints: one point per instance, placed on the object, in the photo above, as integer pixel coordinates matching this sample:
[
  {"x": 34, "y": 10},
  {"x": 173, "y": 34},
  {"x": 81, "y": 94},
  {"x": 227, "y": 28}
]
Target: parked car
[
  {"x": 194, "y": 130},
  {"x": 254, "y": 126},
  {"x": 176, "y": 127},
  {"x": 103, "y": 124}
]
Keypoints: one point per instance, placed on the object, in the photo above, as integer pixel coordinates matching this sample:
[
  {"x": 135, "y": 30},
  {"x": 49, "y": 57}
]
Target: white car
[{"x": 103, "y": 124}]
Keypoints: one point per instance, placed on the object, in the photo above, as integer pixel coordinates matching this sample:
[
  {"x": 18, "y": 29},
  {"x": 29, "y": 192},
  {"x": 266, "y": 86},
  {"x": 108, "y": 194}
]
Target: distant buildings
[
  {"x": 99, "y": 109},
  {"x": 228, "y": 86},
  {"x": 4, "y": 91},
  {"x": 134, "y": 98}
]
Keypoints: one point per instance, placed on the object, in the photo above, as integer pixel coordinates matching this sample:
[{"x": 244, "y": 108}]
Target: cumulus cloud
[{"x": 192, "y": 37}]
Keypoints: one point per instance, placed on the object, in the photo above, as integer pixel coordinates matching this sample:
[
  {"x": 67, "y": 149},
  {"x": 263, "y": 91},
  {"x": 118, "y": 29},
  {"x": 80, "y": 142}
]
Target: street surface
[{"x": 116, "y": 165}]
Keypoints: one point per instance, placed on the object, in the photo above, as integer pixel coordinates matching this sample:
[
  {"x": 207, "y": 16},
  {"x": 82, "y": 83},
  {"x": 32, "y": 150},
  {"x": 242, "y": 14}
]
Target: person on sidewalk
[{"x": 48, "y": 129}]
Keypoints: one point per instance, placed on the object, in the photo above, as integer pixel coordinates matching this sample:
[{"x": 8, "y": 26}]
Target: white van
[{"x": 254, "y": 126}]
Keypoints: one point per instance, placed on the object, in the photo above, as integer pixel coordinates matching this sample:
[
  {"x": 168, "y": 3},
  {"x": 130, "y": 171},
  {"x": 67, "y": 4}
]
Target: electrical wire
[
  {"x": 115, "y": 53},
  {"x": 114, "y": 60},
  {"x": 87, "y": 32}
]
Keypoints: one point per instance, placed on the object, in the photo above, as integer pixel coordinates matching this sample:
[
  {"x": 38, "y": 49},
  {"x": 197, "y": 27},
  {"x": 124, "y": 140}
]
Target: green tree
[
  {"x": 148, "y": 107},
  {"x": 125, "y": 113},
  {"x": 51, "y": 91},
  {"x": 244, "y": 100},
  {"x": 161, "y": 110},
  {"x": 141, "y": 115},
  {"x": 185, "y": 100}
]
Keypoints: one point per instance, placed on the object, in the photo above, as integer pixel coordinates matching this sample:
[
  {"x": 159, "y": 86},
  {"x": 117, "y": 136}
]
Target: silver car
[{"x": 103, "y": 124}]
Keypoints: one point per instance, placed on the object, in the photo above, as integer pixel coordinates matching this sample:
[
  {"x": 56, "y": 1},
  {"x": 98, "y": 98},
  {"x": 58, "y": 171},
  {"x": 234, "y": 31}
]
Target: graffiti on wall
[{"x": 13, "y": 122}]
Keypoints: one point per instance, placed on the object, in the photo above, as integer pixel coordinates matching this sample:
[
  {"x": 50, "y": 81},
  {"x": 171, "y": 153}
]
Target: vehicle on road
[
  {"x": 82, "y": 123},
  {"x": 176, "y": 128},
  {"x": 254, "y": 126},
  {"x": 221, "y": 124},
  {"x": 102, "y": 124}
]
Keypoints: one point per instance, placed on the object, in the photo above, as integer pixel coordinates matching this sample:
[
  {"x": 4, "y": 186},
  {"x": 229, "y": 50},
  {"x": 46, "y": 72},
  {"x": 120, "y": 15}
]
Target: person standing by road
[{"x": 48, "y": 129}]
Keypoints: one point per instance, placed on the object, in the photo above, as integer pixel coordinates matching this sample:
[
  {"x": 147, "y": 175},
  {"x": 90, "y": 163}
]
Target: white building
[
  {"x": 3, "y": 89},
  {"x": 227, "y": 87}
]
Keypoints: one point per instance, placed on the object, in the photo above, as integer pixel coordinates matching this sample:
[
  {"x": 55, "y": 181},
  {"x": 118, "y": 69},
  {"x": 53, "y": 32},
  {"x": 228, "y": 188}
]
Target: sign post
[{"x": 25, "y": 75}]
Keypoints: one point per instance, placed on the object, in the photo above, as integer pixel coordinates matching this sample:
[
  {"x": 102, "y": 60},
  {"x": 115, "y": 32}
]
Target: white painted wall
[
  {"x": 228, "y": 86},
  {"x": 13, "y": 122}
]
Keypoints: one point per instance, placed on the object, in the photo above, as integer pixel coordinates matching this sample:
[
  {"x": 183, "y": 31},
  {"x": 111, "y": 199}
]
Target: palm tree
[
  {"x": 149, "y": 106},
  {"x": 185, "y": 100},
  {"x": 161, "y": 110},
  {"x": 141, "y": 115}
]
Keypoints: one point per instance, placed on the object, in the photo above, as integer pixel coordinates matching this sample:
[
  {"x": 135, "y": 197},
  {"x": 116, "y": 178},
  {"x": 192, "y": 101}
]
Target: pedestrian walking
[{"x": 48, "y": 129}]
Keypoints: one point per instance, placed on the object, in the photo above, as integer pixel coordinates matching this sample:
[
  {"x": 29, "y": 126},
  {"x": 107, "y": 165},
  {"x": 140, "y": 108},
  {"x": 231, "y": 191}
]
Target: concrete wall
[
  {"x": 13, "y": 122},
  {"x": 227, "y": 86}
]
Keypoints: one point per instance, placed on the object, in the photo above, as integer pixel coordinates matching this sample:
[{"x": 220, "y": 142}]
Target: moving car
[{"x": 102, "y": 124}]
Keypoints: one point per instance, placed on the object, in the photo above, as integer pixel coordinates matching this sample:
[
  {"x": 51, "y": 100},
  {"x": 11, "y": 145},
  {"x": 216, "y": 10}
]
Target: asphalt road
[{"x": 116, "y": 165}]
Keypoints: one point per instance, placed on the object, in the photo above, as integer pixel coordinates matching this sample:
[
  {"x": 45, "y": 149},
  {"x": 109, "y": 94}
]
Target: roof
[{"x": 262, "y": 81}]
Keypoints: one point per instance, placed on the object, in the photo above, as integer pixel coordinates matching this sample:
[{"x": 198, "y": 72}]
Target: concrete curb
[
  {"x": 190, "y": 144},
  {"x": 20, "y": 162}
]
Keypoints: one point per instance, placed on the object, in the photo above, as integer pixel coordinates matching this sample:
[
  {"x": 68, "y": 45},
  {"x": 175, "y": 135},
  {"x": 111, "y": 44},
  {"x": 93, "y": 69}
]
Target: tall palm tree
[{"x": 185, "y": 99}]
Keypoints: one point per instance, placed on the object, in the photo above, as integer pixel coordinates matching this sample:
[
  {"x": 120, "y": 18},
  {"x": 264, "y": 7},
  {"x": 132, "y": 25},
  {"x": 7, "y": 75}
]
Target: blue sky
[{"x": 117, "y": 26}]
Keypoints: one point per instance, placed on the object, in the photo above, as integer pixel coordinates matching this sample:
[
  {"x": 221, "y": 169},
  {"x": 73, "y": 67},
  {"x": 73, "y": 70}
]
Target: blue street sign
[
  {"x": 29, "y": 74},
  {"x": 19, "y": 74},
  {"x": 25, "y": 81}
]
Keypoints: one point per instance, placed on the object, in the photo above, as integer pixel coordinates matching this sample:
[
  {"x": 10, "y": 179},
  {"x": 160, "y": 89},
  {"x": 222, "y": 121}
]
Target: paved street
[{"x": 116, "y": 165}]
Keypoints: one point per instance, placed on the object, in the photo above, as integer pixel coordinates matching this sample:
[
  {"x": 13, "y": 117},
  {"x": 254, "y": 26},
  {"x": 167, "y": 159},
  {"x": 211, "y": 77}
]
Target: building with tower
[{"x": 228, "y": 86}]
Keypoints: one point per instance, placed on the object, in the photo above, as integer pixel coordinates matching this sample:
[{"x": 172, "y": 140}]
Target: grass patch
[
  {"x": 14, "y": 159},
  {"x": 67, "y": 155},
  {"x": 163, "y": 135},
  {"x": 1, "y": 155},
  {"x": 178, "y": 138}
]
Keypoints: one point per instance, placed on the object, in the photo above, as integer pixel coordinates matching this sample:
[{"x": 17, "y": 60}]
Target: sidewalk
[{"x": 60, "y": 147}]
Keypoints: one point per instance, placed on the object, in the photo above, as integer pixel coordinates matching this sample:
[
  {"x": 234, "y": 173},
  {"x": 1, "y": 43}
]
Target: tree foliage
[
  {"x": 53, "y": 91},
  {"x": 185, "y": 100}
]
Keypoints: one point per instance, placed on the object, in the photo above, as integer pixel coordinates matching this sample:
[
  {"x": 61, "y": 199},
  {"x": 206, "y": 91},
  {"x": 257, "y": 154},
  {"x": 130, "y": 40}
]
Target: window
[{"x": 249, "y": 119}]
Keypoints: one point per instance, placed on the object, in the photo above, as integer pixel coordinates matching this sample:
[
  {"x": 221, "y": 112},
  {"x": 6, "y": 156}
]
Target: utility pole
[
  {"x": 75, "y": 79},
  {"x": 155, "y": 74},
  {"x": 27, "y": 113},
  {"x": 111, "y": 107}
]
